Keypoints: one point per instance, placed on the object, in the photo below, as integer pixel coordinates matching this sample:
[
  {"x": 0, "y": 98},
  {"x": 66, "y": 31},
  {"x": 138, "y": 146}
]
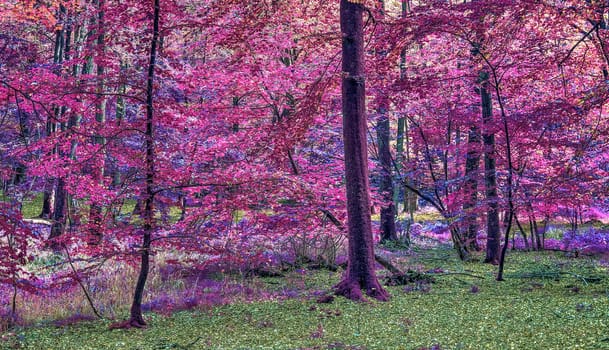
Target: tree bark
[
  {"x": 95, "y": 211},
  {"x": 59, "y": 210},
  {"x": 399, "y": 158},
  {"x": 522, "y": 232},
  {"x": 472, "y": 166},
  {"x": 493, "y": 233},
  {"x": 360, "y": 275},
  {"x": 62, "y": 45},
  {"x": 136, "y": 318},
  {"x": 48, "y": 199},
  {"x": 388, "y": 211}
]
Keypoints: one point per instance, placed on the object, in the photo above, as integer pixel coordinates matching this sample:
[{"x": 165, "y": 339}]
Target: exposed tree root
[
  {"x": 352, "y": 290},
  {"x": 127, "y": 324}
]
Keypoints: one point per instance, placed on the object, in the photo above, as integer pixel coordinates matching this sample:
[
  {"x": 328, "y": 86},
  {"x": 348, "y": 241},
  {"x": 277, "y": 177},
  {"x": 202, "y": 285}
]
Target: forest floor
[{"x": 548, "y": 301}]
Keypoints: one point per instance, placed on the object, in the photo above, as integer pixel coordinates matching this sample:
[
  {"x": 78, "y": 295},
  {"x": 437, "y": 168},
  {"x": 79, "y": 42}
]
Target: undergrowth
[{"x": 548, "y": 301}]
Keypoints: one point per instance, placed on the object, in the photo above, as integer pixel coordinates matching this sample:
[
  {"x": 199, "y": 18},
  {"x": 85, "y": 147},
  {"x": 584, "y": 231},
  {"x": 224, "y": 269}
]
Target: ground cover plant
[
  {"x": 549, "y": 301},
  {"x": 408, "y": 163}
]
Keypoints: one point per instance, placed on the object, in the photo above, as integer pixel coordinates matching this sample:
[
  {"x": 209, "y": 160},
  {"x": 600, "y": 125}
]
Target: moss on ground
[{"x": 547, "y": 302}]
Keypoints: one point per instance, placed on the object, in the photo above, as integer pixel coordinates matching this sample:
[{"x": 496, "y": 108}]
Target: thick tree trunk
[
  {"x": 472, "y": 166},
  {"x": 360, "y": 274},
  {"x": 493, "y": 232},
  {"x": 136, "y": 318}
]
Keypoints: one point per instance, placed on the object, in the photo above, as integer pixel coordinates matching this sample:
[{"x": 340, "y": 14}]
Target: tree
[
  {"x": 472, "y": 165},
  {"x": 493, "y": 231},
  {"x": 136, "y": 318},
  {"x": 388, "y": 207},
  {"x": 360, "y": 274}
]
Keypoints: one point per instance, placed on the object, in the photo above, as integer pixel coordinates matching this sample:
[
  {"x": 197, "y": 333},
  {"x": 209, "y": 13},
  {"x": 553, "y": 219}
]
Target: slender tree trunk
[
  {"x": 388, "y": 209},
  {"x": 388, "y": 212},
  {"x": 136, "y": 318},
  {"x": 120, "y": 108},
  {"x": 48, "y": 199},
  {"x": 360, "y": 274},
  {"x": 399, "y": 158},
  {"x": 510, "y": 178},
  {"x": 120, "y": 115},
  {"x": 80, "y": 36},
  {"x": 534, "y": 238},
  {"x": 62, "y": 48},
  {"x": 49, "y": 189},
  {"x": 472, "y": 167},
  {"x": 493, "y": 232},
  {"x": 95, "y": 212},
  {"x": 522, "y": 232},
  {"x": 410, "y": 198}
]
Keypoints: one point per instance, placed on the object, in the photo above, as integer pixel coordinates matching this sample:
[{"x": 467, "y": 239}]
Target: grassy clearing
[{"x": 548, "y": 302}]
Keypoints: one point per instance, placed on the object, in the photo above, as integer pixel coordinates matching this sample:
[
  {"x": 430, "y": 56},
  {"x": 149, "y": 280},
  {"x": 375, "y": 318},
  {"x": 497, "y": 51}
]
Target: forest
[{"x": 304, "y": 174}]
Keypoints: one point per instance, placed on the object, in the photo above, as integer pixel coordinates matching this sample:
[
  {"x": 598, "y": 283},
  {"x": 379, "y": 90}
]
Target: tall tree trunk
[
  {"x": 360, "y": 274},
  {"x": 136, "y": 318},
  {"x": 119, "y": 109},
  {"x": 472, "y": 166},
  {"x": 410, "y": 198},
  {"x": 62, "y": 48},
  {"x": 81, "y": 34},
  {"x": 510, "y": 177},
  {"x": 95, "y": 212},
  {"x": 120, "y": 115},
  {"x": 399, "y": 158},
  {"x": 48, "y": 198},
  {"x": 493, "y": 232},
  {"x": 388, "y": 209}
]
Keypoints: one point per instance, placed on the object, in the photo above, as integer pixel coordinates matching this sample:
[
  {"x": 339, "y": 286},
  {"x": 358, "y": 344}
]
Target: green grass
[
  {"x": 33, "y": 207},
  {"x": 128, "y": 206},
  {"x": 547, "y": 302}
]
